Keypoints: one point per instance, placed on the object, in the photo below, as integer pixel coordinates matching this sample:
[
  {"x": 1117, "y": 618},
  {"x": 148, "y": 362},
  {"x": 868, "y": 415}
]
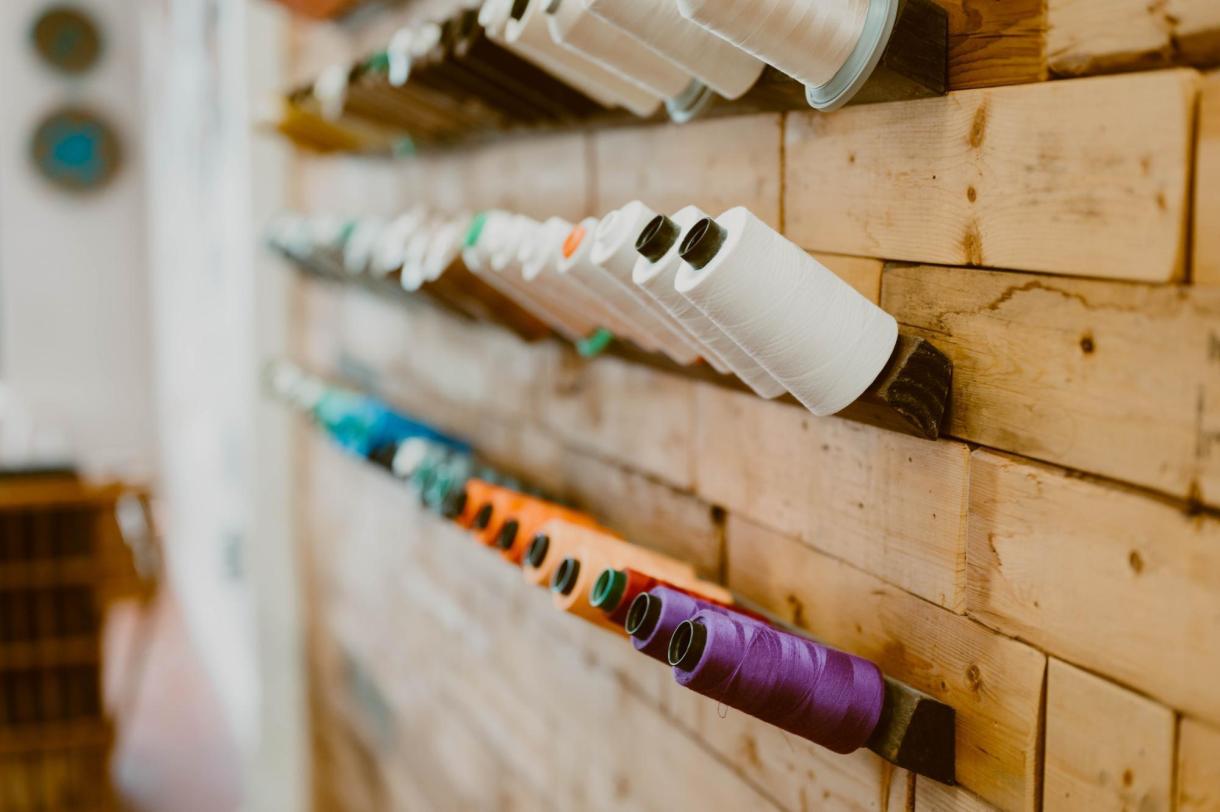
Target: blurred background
[{"x": 132, "y": 189}]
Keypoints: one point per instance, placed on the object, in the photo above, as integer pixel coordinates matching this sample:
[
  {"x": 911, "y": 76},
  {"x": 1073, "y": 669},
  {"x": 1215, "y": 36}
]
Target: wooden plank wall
[{"x": 1051, "y": 568}]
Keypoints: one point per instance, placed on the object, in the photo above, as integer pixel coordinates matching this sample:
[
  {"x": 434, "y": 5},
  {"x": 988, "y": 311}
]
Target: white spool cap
[
  {"x": 575, "y": 26},
  {"x": 716, "y": 62},
  {"x": 388, "y": 253},
  {"x": 657, "y": 280},
  {"x": 444, "y": 249},
  {"x": 415, "y": 252},
  {"x": 530, "y": 33},
  {"x": 398, "y": 55},
  {"x": 614, "y": 250},
  {"x": 621, "y": 309},
  {"x": 330, "y": 89},
  {"x": 817, "y": 335},
  {"x": 358, "y": 249}
]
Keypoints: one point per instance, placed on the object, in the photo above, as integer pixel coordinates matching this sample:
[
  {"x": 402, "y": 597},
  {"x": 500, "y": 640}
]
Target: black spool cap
[
  {"x": 687, "y": 645},
  {"x": 643, "y": 615},
  {"x": 518, "y": 9},
  {"x": 564, "y": 579},
  {"x": 383, "y": 455},
  {"x": 536, "y": 553},
  {"x": 657, "y": 237},
  {"x": 483, "y": 517},
  {"x": 507, "y": 534},
  {"x": 702, "y": 242},
  {"x": 454, "y": 503}
]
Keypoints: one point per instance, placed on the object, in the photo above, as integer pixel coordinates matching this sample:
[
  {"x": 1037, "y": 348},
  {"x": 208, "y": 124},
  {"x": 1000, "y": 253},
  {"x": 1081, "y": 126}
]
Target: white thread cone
[{"x": 812, "y": 331}]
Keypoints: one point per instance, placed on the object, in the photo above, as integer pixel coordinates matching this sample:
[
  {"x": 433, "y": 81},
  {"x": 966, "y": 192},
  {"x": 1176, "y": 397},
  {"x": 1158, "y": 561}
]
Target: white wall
[
  {"x": 219, "y": 313},
  {"x": 74, "y": 329}
]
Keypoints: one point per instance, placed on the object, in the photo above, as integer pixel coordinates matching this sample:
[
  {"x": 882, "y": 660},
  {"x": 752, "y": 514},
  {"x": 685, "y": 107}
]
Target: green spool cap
[
  {"x": 345, "y": 233},
  {"x": 476, "y": 228},
  {"x": 595, "y": 343},
  {"x": 403, "y": 148},
  {"x": 608, "y": 589},
  {"x": 378, "y": 62}
]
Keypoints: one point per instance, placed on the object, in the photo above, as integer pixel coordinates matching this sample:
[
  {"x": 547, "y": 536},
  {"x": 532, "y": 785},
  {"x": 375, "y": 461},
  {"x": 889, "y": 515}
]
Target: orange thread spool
[
  {"x": 517, "y": 532},
  {"x": 592, "y": 552},
  {"x": 615, "y": 589},
  {"x": 553, "y": 542}
]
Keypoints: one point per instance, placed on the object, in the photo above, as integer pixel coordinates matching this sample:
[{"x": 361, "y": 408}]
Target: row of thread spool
[
  {"x": 712, "y": 643},
  {"x": 727, "y": 290},
  {"x": 534, "y": 62}
]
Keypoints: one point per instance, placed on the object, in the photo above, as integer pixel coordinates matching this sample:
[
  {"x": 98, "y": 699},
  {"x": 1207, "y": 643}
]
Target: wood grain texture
[
  {"x": 978, "y": 173},
  {"x": 1206, "y": 268},
  {"x": 896, "y": 505},
  {"x": 1106, "y": 747},
  {"x": 933, "y": 797},
  {"x": 1198, "y": 778},
  {"x": 626, "y": 412},
  {"x": 675, "y": 166},
  {"x": 1114, "y": 379},
  {"x": 993, "y": 683},
  {"x": 995, "y": 43},
  {"x": 1112, "y": 580},
  {"x": 1096, "y": 36}
]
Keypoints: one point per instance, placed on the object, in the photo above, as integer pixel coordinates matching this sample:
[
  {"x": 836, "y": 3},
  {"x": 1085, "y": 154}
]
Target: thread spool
[
  {"x": 810, "y": 40},
  {"x": 388, "y": 252},
  {"x": 444, "y": 248},
  {"x": 518, "y": 531},
  {"x": 653, "y": 616},
  {"x": 655, "y": 272},
  {"x": 527, "y": 32},
  {"x": 717, "y": 63},
  {"x": 413, "y": 272},
  {"x": 539, "y": 251},
  {"x": 398, "y": 56},
  {"x": 508, "y": 74},
  {"x": 572, "y": 581},
  {"x": 814, "y": 333},
  {"x": 572, "y": 24},
  {"x": 614, "y": 590},
  {"x": 621, "y": 310},
  {"x": 358, "y": 248},
  {"x": 614, "y": 250},
  {"x": 565, "y": 539},
  {"x": 485, "y": 238},
  {"x": 827, "y": 696},
  {"x": 550, "y": 545},
  {"x": 330, "y": 89}
]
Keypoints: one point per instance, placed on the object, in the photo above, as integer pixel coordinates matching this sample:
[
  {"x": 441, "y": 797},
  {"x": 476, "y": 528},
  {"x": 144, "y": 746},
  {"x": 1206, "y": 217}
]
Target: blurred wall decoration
[
  {"x": 76, "y": 150},
  {"x": 67, "y": 39}
]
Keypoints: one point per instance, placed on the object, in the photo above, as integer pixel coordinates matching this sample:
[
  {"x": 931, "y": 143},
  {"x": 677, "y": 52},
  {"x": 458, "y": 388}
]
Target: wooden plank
[
  {"x": 1206, "y": 268},
  {"x": 862, "y": 273},
  {"x": 933, "y": 797},
  {"x": 674, "y": 166},
  {"x": 1114, "y": 379},
  {"x": 626, "y": 412},
  {"x": 1106, "y": 747},
  {"x": 889, "y": 504},
  {"x": 1122, "y": 584},
  {"x": 992, "y": 682},
  {"x": 1097, "y": 36},
  {"x": 978, "y": 172},
  {"x": 1198, "y": 755},
  {"x": 994, "y": 43}
]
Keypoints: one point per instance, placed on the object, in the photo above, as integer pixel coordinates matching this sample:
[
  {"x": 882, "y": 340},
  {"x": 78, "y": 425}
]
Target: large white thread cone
[{"x": 817, "y": 335}]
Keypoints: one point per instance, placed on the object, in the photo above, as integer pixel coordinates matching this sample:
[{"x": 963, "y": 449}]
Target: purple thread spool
[
  {"x": 818, "y": 693},
  {"x": 653, "y": 616}
]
